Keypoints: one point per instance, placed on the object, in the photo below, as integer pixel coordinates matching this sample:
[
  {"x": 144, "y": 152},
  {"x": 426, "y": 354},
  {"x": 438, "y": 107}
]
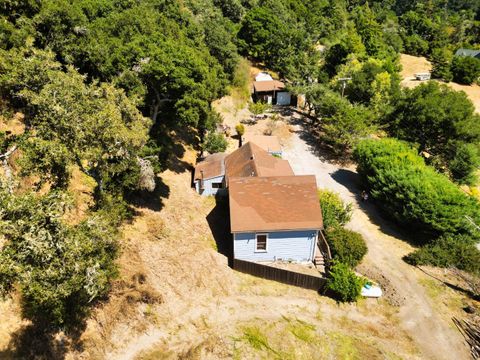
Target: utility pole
[{"x": 344, "y": 83}]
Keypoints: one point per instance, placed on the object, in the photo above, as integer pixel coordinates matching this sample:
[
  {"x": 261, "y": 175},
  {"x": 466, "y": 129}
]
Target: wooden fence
[{"x": 284, "y": 276}]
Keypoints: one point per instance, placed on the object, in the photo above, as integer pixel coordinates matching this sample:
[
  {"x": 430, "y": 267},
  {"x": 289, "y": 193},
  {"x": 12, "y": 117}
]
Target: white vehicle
[{"x": 423, "y": 76}]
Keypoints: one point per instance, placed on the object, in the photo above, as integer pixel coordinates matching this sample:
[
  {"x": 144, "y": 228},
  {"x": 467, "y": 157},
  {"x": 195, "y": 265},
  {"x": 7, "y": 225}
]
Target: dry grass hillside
[
  {"x": 177, "y": 297},
  {"x": 417, "y": 64}
]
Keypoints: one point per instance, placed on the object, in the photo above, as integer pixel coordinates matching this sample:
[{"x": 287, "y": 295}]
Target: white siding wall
[
  {"x": 285, "y": 245},
  {"x": 207, "y": 186}
]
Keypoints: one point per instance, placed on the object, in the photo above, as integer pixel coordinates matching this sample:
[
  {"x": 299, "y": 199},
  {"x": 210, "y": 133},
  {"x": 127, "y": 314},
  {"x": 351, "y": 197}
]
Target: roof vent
[{"x": 252, "y": 157}]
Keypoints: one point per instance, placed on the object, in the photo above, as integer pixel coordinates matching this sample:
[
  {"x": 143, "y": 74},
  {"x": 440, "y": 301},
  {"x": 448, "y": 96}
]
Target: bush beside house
[
  {"x": 346, "y": 246},
  {"x": 344, "y": 285},
  {"x": 334, "y": 211}
]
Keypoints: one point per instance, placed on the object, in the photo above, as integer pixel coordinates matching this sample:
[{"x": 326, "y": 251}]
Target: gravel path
[{"x": 435, "y": 336}]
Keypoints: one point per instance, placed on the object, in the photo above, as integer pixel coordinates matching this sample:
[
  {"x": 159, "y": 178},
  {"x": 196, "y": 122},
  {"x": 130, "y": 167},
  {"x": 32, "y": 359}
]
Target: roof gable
[
  {"x": 212, "y": 166},
  {"x": 251, "y": 160},
  {"x": 268, "y": 85},
  {"x": 274, "y": 204},
  {"x": 268, "y": 143},
  {"x": 468, "y": 52}
]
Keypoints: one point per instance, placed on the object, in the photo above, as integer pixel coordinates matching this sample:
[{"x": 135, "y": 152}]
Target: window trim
[{"x": 266, "y": 242}]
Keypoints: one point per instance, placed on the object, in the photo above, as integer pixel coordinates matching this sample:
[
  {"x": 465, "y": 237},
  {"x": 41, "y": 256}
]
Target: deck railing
[{"x": 325, "y": 250}]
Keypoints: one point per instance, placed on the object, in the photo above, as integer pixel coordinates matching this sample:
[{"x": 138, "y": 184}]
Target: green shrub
[
  {"x": 412, "y": 193},
  {"x": 466, "y": 70},
  {"x": 215, "y": 143},
  {"x": 240, "y": 129},
  {"x": 258, "y": 107},
  {"x": 343, "y": 283},
  {"x": 58, "y": 269},
  {"x": 465, "y": 163},
  {"x": 347, "y": 246},
  {"x": 334, "y": 211},
  {"x": 447, "y": 251}
]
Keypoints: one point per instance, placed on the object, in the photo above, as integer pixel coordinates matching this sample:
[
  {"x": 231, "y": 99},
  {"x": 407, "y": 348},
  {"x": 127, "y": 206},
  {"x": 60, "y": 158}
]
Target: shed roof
[
  {"x": 274, "y": 204},
  {"x": 267, "y": 143},
  {"x": 212, "y": 166},
  {"x": 270, "y": 85},
  {"x": 263, "y": 76},
  {"x": 251, "y": 160},
  {"x": 468, "y": 52}
]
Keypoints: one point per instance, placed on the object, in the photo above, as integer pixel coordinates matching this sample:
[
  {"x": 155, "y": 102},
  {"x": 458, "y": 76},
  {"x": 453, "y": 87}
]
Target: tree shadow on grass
[
  {"x": 352, "y": 181},
  {"x": 458, "y": 288},
  {"x": 40, "y": 342},
  {"x": 219, "y": 221},
  {"x": 150, "y": 200},
  {"x": 175, "y": 162}
]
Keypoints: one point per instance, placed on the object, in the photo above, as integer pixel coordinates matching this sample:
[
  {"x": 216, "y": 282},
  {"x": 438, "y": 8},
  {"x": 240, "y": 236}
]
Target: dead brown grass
[{"x": 417, "y": 64}]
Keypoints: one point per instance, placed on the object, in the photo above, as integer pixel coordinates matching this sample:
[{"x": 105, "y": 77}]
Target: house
[
  {"x": 468, "y": 52},
  {"x": 275, "y": 218},
  {"x": 209, "y": 174},
  {"x": 269, "y": 143},
  {"x": 274, "y": 215},
  {"x": 212, "y": 175},
  {"x": 271, "y": 92}
]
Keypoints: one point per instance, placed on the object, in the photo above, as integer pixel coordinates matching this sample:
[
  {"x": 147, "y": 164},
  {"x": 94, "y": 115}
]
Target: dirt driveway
[{"x": 419, "y": 316}]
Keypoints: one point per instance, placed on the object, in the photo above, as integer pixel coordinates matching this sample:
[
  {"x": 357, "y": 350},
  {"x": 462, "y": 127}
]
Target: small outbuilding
[{"x": 271, "y": 92}]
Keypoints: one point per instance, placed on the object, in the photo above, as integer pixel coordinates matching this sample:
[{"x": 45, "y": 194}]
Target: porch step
[{"x": 319, "y": 261}]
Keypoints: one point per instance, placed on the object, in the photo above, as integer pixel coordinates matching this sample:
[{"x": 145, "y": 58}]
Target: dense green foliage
[
  {"x": 441, "y": 64},
  {"x": 346, "y": 246},
  {"x": 343, "y": 283},
  {"x": 412, "y": 193},
  {"x": 441, "y": 122},
  {"x": 341, "y": 124},
  {"x": 465, "y": 70},
  {"x": 106, "y": 86},
  {"x": 448, "y": 251},
  {"x": 59, "y": 269},
  {"x": 334, "y": 212},
  {"x": 215, "y": 143}
]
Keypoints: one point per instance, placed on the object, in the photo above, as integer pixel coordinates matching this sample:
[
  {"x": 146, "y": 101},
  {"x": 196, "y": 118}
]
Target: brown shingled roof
[
  {"x": 212, "y": 166},
  {"x": 251, "y": 160},
  {"x": 274, "y": 203},
  {"x": 267, "y": 143},
  {"x": 269, "y": 85}
]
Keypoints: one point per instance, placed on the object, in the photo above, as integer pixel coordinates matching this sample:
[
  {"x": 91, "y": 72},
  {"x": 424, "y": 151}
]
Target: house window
[
  {"x": 261, "y": 242},
  {"x": 216, "y": 185}
]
